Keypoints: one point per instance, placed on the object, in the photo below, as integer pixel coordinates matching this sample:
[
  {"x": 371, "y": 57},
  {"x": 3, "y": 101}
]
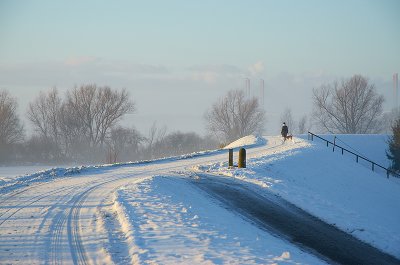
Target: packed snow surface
[
  {"x": 247, "y": 141},
  {"x": 328, "y": 185},
  {"x": 149, "y": 213}
]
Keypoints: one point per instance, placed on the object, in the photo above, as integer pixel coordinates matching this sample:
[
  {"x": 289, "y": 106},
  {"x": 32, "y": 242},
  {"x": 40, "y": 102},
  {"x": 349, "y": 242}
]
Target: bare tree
[
  {"x": 11, "y": 129},
  {"x": 44, "y": 114},
  {"x": 178, "y": 143},
  {"x": 97, "y": 110},
  {"x": 235, "y": 116},
  {"x": 80, "y": 124},
  {"x": 124, "y": 143},
  {"x": 351, "y": 106},
  {"x": 72, "y": 132},
  {"x": 287, "y": 117},
  {"x": 302, "y": 126},
  {"x": 155, "y": 136}
]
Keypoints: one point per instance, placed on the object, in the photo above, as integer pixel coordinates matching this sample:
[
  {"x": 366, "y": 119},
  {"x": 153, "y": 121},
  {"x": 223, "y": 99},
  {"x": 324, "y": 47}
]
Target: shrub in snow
[{"x": 394, "y": 146}]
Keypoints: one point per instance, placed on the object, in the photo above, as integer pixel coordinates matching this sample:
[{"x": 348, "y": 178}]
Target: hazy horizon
[{"x": 176, "y": 58}]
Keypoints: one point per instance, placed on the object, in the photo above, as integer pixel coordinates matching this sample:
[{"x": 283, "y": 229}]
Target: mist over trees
[
  {"x": 83, "y": 126},
  {"x": 303, "y": 126},
  {"x": 11, "y": 129},
  {"x": 235, "y": 116},
  {"x": 77, "y": 126},
  {"x": 95, "y": 110},
  {"x": 351, "y": 106},
  {"x": 124, "y": 143},
  {"x": 300, "y": 127},
  {"x": 45, "y": 114},
  {"x": 287, "y": 118}
]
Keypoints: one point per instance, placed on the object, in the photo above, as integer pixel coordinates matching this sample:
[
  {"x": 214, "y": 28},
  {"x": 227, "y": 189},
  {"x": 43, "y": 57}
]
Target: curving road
[
  {"x": 292, "y": 223},
  {"x": 57, "y": 222}
]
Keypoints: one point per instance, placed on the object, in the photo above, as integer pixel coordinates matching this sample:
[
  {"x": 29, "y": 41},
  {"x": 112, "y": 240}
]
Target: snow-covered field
[
  {"x": 10, "y": 172},
  {"x": 149, "y": 213}
]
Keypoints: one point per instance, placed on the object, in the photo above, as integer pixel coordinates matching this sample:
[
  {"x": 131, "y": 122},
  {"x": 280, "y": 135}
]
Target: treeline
[{"x": 83, "y": 125}]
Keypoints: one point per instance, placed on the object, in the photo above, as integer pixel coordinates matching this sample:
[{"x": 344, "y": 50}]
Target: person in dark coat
[{"x": 284, "y": 131}]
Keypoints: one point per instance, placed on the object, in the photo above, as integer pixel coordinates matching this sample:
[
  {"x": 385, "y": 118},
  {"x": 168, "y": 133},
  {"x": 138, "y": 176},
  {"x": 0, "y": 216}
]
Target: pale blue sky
[{"x": 177, "y": 57}]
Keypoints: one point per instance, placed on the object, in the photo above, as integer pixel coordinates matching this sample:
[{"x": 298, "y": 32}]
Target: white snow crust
[{"x": 148, "y": 213}]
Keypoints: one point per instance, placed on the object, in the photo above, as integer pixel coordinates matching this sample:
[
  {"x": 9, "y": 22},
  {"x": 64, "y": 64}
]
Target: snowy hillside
[
  {"x": 330, "y": 186},
  {"x": 156, "y": 212},
  {"x": 371, "y": 146}
]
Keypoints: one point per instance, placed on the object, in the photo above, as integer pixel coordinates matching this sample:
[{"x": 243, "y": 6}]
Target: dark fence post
[
  {"x": 230, "y": 160},
  {"x": 334, "y": 144},
  {"x": 242, "y": 158},
  {"x": 357, "y": 158},
  {"x": 373, "y": 166}
]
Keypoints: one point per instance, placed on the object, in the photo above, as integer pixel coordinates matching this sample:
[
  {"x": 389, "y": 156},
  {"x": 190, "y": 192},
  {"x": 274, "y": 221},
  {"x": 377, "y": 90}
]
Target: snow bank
[
  {"x": 122, "y": 215},
  {"x": 172, "y": 222},
  {"x": 248, "y": 141},
  {"x": 8, "y": 183},
  {"x": 329, "y": 186}
]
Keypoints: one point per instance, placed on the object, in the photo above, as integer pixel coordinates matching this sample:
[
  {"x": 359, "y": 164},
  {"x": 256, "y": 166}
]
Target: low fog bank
[{"x": 123, "y": 145}]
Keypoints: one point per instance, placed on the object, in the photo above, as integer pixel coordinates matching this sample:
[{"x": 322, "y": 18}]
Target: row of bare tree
[
  {"x": 351, "y": 106},
  {"x": 79, "y": 122},
  {"x": 83, "y": 125},
  {"x": 127, "y": 144}
]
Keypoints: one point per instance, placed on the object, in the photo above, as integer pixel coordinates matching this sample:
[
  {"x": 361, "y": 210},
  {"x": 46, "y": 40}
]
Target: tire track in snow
[
  {"x": 54, "y": 240},
  {"x": 77, "y": 249},
  {"x": 74, "y": 239},
  {"x": 69, "y": 221},
  {"x": 18, "y": 193},
  {"x": 33, "y": 200},
  {"x": 15, "y": 193},
  {"x": 65, "y": 217}
]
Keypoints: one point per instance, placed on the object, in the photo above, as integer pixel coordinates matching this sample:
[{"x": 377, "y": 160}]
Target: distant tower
[
  {"x": 262, "y": 92},
  {"x": 396, "y": 90}
]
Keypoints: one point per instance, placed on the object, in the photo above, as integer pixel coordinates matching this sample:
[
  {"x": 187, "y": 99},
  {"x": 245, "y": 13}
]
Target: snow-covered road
[
  {"x": 76, "y": 219},
  {"x": 140, "y": 213}
]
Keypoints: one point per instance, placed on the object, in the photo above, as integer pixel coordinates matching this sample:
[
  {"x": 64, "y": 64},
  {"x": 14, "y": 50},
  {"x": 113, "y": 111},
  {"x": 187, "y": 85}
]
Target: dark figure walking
[{"x": 284, "y": 131}]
